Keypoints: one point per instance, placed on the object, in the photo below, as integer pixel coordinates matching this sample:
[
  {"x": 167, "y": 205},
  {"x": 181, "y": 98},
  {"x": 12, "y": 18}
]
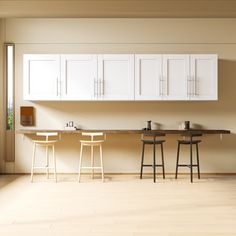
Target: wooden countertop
[{"x": 127, "y": 131}]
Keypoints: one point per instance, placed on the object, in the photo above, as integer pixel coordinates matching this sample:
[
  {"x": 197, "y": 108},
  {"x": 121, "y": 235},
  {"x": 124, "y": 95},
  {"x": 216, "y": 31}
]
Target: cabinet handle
[
  {"x": 102, "y": 87},
  {"x": 194, "y": 86},
  {"x": 188, "y": 86},
  {"x": 94, "y": 87},
  {"x": 162, "y": 85},
  {"x": 98, "y": 94},
  {"x": 58, "y": 87},
  {"x": 160, "y": 89}
]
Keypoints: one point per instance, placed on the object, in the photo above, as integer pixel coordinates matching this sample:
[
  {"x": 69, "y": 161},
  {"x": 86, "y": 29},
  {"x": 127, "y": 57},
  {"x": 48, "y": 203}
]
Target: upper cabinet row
[{"x": 120, "y": 77}]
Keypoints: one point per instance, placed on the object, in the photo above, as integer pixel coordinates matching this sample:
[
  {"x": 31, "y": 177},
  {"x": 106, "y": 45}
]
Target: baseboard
[
  {"x": 9, "y": 167},
  {"x": 134, "y": 174}
]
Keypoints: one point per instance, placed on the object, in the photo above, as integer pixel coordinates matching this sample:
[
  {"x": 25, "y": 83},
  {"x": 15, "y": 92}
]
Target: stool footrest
[
  {"x": 187, "y": 166},
  {"x": 152, "y": 165},
  {"x": 45, "y": 167},
  {"x": 89, "y": 167}
]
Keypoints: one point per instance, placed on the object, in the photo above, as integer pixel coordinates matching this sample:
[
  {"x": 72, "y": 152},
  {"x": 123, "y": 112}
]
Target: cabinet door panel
[
  {"x": 78, "y": 76},
  {"x": 41, "y": 77},
  {"x": 148, "y": 77},
  {"x": 204, "y": 77},
  {"x": 115, "y": 77},
  {"x": 175, "y": 76}
]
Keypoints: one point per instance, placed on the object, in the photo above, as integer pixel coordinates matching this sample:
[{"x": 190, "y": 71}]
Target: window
[{"x": 10, "y": 85}]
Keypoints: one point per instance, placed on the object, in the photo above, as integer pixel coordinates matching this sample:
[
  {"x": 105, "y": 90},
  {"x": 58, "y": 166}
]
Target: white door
[
  {"x": 204, "y": 82},
  {"x": 78, "y": 73},
  {"x": 148, "y": 77},
  {"x": 41, "y": 77},
  {"x": 175, "y": 76},
  {"x": 115, "y": 77}
]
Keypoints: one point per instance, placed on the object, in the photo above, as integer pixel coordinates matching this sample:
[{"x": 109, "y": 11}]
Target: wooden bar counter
[{"x": 127, "y": 131}]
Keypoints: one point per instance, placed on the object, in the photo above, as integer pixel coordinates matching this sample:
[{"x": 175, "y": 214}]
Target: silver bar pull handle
[
  {"x": 160, "y": 93},
  {"x": 188, "y": 86},
  {"x": 102, "y": 86},
  {"x": 98, "y": 93},
  {"x": 194, "y": 86},
  {"x": 94, "y": 87},
  {"x": 58, "y": 87}
]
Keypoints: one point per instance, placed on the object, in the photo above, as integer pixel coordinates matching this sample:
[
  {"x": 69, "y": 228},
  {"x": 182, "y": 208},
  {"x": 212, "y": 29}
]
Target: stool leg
[
  {"x": 154, "y": 162},
  {"x": 163, "y": 164},
  {"x": 141, "y": 172},
  {"x": 198, "y": 165},
  {"x": 80, "y": 162},
  {"x": 54, "y": 163},
  {"x": 101, "y": 163},
  {"x": 177, "y": 161},
  {"x": 92, "y": 161},
  {"x": 47, "y": 163},
  {"x": 32, "y": 164},
  {"x": 191, "y": 162}
]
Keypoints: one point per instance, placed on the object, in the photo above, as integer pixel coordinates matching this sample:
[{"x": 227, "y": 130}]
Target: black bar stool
[
  {"x": 151, "y": 139},
  {"x": 189, "y": 140}
]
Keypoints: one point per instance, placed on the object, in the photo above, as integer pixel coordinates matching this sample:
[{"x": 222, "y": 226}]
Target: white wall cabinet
[
  {"x": 148, "y": 77},
  {"x": 41, "y": 77},
  {"x": 115, "y": 77},
  {"x": 176, "y": 77},
  {"x": 203, "y": 77},
  {"x": 78, "y": 76},
  {"x": 120, "y": 77}
]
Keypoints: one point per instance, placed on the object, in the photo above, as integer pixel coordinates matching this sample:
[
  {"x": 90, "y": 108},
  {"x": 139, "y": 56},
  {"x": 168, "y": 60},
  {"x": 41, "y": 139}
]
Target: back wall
[{"x": 122, "y": 152}]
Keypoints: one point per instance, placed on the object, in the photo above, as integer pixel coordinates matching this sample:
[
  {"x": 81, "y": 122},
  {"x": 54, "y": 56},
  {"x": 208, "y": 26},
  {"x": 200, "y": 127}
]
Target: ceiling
[{"x": 119, "y": 8}]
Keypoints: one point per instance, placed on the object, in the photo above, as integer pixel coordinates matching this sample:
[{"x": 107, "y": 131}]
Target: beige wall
[{"x": 122, "y": 152}]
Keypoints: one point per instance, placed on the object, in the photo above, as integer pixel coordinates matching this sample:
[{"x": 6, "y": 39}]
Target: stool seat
[
  {"x": 91, "y": 143},
  {"x": 152, "y": 141},
  {"x": 188, "y": 142},
  {"x": 47, "y": 144}
]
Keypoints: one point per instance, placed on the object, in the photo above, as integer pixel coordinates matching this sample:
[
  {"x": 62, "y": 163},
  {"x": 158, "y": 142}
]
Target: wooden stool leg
[
  {"x": 141, "y": 172},
  {"x": 92, "y": 161},
  {"x": 32, "y": 164},
  {"x": 177, "y": 161},
  {"x": 154, "y": 162},
  {"x": 47, "y": 163},
  {"x": 163, "y": 164},
  {"x": 101, "y": 162},
  {"x": 198, "y": 164},
  {"x": 191, "y": 161},
  {"x": 80, "y": 161},
  {"x": 54, "y": 163}
]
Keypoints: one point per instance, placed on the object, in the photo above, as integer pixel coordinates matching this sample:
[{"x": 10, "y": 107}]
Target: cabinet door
[
  {"x": 175, "y": 76},
  {"x": 78, "y": 73},
  {"x": 148, "y": 77},
  {"x": 115, "y": 77},
  {"x": 204, "y": 82},
  {"x": 41, "y": 77}
]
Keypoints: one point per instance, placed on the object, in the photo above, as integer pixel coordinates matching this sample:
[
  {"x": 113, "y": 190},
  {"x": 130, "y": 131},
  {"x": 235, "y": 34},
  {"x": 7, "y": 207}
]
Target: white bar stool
[
  {"x": 92, "y": 143},
  {"x": 47, "y": 144}
]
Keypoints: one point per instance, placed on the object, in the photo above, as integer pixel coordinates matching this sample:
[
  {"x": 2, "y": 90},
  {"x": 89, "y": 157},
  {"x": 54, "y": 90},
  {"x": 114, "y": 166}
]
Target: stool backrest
[
  {"x": 191, "y": 135},
  {"x": 47, "y": 134},
  {"x": 153, "y": 135},
  {"x": 93, "y": 134}
]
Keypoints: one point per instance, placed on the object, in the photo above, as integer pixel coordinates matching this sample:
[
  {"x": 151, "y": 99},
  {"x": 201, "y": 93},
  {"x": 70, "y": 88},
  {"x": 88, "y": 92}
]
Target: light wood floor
[{"x": 123, "y": 205}]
